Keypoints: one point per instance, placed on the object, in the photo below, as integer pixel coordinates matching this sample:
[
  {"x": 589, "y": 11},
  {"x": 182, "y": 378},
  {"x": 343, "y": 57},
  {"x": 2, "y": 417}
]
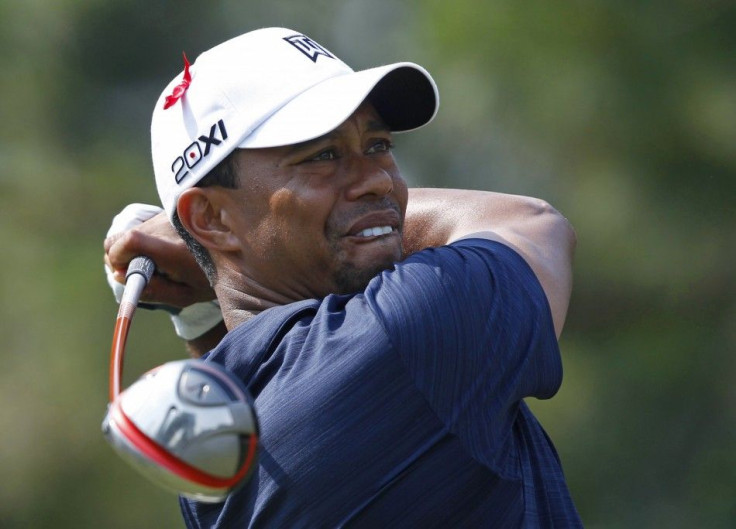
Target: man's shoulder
[
  {"x": 444, "y": 273},
  {"x": 272, "y": 320},
  {"x": 261, "y": 332},
  {"x": 478, "y": 250}
]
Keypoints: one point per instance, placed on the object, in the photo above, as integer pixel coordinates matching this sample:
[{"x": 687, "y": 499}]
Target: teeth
[{"x": 375, "y": 232}]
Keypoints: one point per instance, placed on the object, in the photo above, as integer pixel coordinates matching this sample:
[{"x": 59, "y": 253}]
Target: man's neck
[{"x": 242, "y": 298}]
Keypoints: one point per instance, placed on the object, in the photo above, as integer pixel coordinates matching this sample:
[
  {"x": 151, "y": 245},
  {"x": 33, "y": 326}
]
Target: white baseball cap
[{"x": 268, "y": 88}]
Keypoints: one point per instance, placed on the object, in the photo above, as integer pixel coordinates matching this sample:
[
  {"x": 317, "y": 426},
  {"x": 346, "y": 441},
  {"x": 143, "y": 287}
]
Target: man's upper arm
[
  {"x": 472, "y": 325},
  {"x": 534, "y": 229},
  {"x": 546, "y": 241}
]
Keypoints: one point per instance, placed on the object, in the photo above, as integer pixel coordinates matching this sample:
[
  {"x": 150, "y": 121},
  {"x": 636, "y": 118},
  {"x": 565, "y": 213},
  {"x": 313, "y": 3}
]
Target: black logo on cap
[
  {"x": 194, "y": 153},
  {"x": 308, "y": 47}
]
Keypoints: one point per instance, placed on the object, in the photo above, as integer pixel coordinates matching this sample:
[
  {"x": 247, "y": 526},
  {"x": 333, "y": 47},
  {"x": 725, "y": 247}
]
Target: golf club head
[{"x": 189, "y": 426}]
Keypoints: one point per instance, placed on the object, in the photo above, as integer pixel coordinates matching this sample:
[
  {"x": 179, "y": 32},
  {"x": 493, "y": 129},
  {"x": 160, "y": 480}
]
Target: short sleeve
[{"x": 473, "y": 327}]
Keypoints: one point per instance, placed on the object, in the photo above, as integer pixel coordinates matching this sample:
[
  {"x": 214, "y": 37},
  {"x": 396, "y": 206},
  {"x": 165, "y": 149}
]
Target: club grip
[{"x": 141, "y": 265}]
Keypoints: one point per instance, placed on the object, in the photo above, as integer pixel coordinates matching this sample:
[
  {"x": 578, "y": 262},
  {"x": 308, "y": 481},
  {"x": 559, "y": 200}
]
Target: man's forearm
[{"x": 538, "y": 232}]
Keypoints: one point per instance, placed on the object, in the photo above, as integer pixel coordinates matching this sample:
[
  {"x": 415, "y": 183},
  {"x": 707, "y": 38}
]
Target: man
[{"x": 387, "y": 335}]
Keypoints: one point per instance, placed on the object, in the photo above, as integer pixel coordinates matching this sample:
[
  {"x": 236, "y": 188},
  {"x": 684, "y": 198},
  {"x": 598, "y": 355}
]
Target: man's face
[{"x": 323, "y": 216}]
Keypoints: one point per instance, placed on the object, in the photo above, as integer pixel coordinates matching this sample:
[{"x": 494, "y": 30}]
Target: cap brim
[{"x": 404, "y": 95}]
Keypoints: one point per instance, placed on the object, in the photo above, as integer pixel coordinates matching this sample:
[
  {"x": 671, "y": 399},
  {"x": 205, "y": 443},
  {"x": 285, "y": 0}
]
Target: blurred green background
[{"x": 621, "y": 114}]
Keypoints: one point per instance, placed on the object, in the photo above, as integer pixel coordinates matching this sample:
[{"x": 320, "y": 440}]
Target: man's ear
[{"x": 200, "y": 212}]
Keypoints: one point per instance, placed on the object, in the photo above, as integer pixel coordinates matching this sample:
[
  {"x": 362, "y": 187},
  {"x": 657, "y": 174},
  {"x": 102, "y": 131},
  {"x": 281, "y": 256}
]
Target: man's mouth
[
  {"x": 375, "y": 224},
  {"x": 375, "y": 231}
]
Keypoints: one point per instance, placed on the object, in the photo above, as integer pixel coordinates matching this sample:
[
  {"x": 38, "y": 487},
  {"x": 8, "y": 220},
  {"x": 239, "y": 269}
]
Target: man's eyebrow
[{"x": 374, "y": 125}]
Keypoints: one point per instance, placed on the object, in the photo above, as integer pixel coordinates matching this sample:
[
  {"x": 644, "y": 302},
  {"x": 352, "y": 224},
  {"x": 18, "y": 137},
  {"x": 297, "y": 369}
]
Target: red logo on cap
[{"x": 181, "y": 87}]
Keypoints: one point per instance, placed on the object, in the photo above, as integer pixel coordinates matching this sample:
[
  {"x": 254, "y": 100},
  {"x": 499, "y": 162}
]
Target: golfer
[{"x": 388, "y": 335}]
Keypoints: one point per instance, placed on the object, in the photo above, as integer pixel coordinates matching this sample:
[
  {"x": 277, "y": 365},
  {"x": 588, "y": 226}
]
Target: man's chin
[
  {"x": 360, "y": 263},
  {"x": 351, "y": 279}
]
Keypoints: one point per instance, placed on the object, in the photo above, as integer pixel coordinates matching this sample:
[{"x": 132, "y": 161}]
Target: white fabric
[
  {"x": 195, "y": 320},
  {"x": 131, "y": 216}
]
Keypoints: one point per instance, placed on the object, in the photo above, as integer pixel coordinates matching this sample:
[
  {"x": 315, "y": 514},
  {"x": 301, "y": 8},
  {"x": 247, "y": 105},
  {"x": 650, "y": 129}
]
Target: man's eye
[
  {"x": 381, "y": 146},
  {"x": 324, "y": 156}
]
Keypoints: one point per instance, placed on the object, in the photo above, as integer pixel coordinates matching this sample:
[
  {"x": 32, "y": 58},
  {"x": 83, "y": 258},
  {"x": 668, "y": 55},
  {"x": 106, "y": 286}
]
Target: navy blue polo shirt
[{"x": 402, "y": 406}]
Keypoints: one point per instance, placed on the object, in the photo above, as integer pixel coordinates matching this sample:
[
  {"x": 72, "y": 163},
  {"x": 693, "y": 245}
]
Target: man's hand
[{"x": 178, "y": 280}]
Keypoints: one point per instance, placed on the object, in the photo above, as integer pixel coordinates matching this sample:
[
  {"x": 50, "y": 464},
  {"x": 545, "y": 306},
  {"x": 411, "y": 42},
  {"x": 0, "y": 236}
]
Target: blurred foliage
[{"x": 622, "y": 114}]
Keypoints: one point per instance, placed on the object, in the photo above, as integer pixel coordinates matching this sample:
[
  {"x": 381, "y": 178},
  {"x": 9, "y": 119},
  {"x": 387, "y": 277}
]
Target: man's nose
[{"x": 369, "y": 176}]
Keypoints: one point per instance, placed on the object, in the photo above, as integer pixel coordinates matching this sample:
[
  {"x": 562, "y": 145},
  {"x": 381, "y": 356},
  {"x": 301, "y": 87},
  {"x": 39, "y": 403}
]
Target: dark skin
[{"x": 324, "y": 217}]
